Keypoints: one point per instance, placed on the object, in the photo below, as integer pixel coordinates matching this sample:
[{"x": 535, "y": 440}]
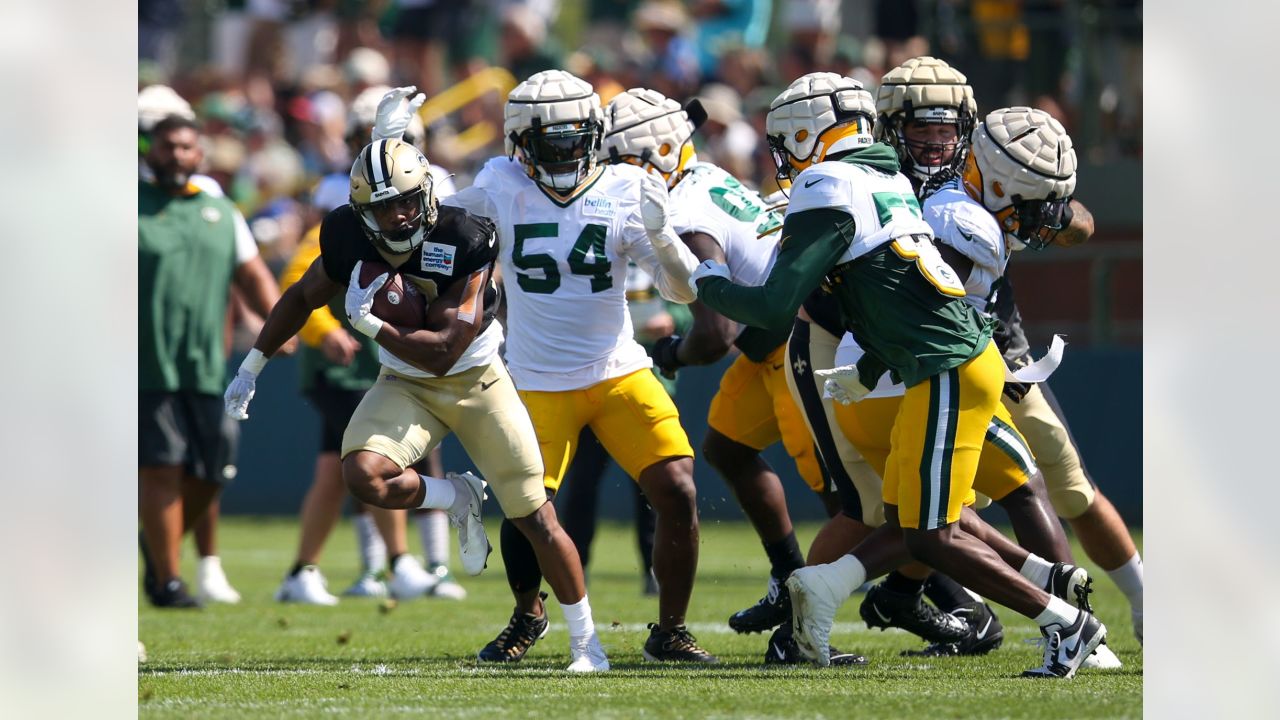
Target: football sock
[
  {"x": 1057, "y": 612},
  {"x": 848, "y": 576},
  {"x": 784, "y": 556},
  {"x": 946, "y": 593},
  {"x": 433, "y": 529},
  {"x": 1128, "y": 577},
  {"x": 440, "y": 493},
  {"x": 578, "y": 617},
  {"x": 1037, "y": 570},
  {"x": 297, "y": 568},
  {"x": 373, "y": 551},
  {"x": 523, "y": 573},
  {"x": 902, "y": 584}
]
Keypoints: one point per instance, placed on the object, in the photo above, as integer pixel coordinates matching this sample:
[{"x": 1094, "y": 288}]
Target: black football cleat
[
  {"x": 1066, "y": 648},
  {"x": 784, "y": 651},
  {"x": 884, "y": 608},
  {"x": 675, "y": 645},
  {"x": 1071, "y": 583},
  {"x": 174, "y": 595},
  {"x": 986, "y": 633},
  {"x": 521, "y": 632},
  {"x": 769, "y": 612}
]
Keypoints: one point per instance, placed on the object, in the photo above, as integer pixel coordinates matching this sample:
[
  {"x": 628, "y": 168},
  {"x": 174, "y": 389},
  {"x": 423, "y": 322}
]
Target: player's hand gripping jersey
[
  {"x": 458, "y": 245},
  {"x": 564, "y": 266}
]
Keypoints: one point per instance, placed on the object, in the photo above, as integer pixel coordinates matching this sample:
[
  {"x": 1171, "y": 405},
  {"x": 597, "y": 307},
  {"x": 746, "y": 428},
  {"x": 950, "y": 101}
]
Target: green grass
[{"x": 263, "y": 659}]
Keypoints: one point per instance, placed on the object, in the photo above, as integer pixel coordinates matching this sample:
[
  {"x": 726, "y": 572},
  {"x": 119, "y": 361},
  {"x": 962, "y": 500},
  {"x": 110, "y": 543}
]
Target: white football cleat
[
  {"x": 473, "y": 543},
  {"x": 211, "y": 582},
  {"x": 588, "y": 655},
  {"x": 307, "y": 587},
  {"x": 1067, "y": 648},
  {"x": 367, "y": 585},
  {"x": 446, "y": 586},
  {"x": 813, "y": 611},
  {"x": 409, "y": 580},
  {"x": 1102, "y": 659}
]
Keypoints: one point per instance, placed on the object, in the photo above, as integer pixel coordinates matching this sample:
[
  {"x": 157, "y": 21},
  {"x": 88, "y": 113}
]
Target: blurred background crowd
[{"x": 272, "y": 80}]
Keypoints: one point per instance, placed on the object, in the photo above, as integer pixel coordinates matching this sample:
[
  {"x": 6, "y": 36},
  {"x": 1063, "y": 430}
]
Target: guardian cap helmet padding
[{"x": 554, "y": 124}]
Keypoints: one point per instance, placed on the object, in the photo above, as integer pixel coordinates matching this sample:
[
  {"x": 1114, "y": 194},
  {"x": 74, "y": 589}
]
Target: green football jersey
[
  {"x": 186, "y": 258},
  {"x": 855, "y": 223}
]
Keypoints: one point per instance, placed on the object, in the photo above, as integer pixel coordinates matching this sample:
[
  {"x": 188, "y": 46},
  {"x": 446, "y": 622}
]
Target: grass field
[{"x": 264, "y": 659}]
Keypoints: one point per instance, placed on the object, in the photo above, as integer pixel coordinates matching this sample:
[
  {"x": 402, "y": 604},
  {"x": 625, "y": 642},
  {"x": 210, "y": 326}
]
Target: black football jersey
[{"x": 458, "y": 245}]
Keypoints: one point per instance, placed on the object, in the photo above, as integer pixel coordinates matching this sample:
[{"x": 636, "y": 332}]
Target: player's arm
[
  {"x": 812, "y": 242},
  {"x": 437, "y": 349},
  {"x": 1079, "y": 229},
  {"x": 656, "y": 248},
  {"x": 957, "y": 260},
  {"x": 283, "y": 321}
]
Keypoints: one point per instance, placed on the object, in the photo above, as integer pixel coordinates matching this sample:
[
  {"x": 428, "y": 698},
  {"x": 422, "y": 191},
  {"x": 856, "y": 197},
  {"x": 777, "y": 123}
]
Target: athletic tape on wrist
[{"x": 254, "y": 362}]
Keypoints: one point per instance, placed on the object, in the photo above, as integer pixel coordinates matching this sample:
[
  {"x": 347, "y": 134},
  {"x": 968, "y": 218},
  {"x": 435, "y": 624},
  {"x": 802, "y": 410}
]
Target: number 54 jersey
[{"x": 564, "y": 267}]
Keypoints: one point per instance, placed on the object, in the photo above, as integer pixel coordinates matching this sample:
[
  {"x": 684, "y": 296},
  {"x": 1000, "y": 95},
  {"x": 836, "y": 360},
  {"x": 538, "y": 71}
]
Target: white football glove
[
  {"x": 708, "y": 268},
  {"x": 359, "y": 302},
  {"x": 395, "y": 110},
  {"x": 236, "y": 399},
  {"x": 653, "y": 208},
  {"x": 842, "y": 384}
]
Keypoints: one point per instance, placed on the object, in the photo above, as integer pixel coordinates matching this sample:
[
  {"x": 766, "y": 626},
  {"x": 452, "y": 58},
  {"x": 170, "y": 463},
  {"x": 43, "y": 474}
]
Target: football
[{"x": 399, "y": 301}]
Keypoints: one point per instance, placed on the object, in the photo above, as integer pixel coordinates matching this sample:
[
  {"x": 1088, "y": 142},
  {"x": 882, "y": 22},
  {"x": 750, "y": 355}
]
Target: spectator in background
[
  {"x": 189, "y": 254},
  {"x": 811, "y": 28},
  {"x": 363, "y": 68},
  {"x": 428, "y": 35},
  {"x": 725, "y": 24},
  {"x": 672, "y": 64},
  {"x": 726, "y": 138},
  {"x": 743, "y": 69},
  {"x": 523, "y": 45}
]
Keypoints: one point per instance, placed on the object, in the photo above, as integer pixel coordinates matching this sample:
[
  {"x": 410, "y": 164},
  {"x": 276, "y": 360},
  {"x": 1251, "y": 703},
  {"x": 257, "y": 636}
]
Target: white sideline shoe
[
  {"x": 367, "y": 585},
  {"x": 473, "y": 543},
  {"x": 307, "y": 587},
  {"x": 211, "y": 582},
  {"x": 588, "y": 655},
  {"x": 446, "y": 586},
  {"x": 813, "y": 611},
  {"x": 409, "y": 580}
]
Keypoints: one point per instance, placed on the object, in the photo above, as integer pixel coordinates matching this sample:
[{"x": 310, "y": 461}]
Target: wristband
[
  {"x": 369, "y": 325},
  {"x": 254, "y": 362}
]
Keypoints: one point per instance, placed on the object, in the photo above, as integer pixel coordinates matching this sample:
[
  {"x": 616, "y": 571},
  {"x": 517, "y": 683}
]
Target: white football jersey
[
  {"x": 963, "y": 223},
  {"x": 709, "y": 200},
  {"x": 883, "y": 206},
  {"x": 564, "y": 270}
]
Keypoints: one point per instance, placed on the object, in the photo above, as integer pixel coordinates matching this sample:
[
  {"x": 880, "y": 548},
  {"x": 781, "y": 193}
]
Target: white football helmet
[
  {"x": 157, "y": 102},
  {"x": 648, "y": 129},
  {"x": 818, "y": 115},
  {"x": 393, "y": 194},
  {"x": 364, "y": 114},
  {"x": 926, "y": 90},
  {"x": 1022, "y": 168},
  {"x": 554, "y": 124}
]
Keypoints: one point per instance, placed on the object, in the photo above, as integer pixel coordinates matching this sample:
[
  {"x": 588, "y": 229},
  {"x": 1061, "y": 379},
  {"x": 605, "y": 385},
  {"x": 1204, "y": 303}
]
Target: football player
[
  {"x": 1006, "y": 470},
  {"x": 567, "y": 227},
  {"x": 438, "y": 379},
  {"x": 852, "y": 220},
  {"x": 721, "y": 219},
  {"x": 926, "y": 113}
]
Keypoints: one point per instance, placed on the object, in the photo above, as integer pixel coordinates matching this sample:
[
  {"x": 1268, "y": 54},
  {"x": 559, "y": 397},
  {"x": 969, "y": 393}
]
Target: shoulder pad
[{"x": 825, "y": 185}]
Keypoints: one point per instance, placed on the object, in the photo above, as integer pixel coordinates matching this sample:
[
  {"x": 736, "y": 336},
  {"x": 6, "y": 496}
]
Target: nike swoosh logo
[
  {"x": 1074, "y": 649},
  {"x": 777, "y": 649},
  {"x": 811, "y": 183},
  {"x": 485, "y": 386},
  {"x": 876, "y": 609},
  {"x": 983, "y": 632}
]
